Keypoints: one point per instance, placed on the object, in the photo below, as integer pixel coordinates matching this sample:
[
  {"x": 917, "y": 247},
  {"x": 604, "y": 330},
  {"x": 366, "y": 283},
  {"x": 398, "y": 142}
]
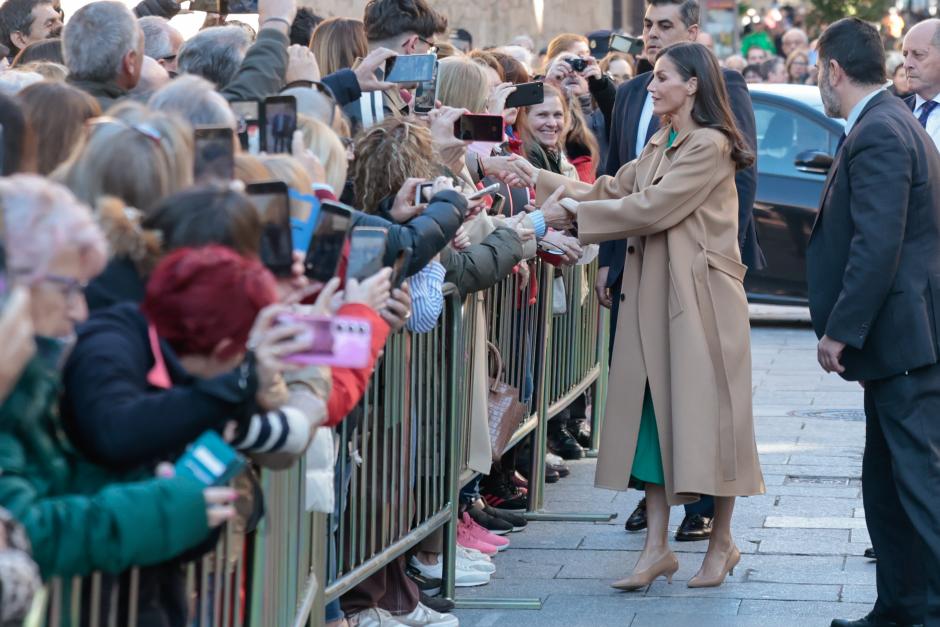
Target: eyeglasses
[
  {"x": 69, "y": 287},
  {"x": 432, "y": 47},
  {"x": 146, "y": 130}
]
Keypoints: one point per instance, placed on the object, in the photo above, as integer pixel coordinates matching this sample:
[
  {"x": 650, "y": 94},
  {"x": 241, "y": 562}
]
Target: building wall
[{"x": 495, "y": 22}]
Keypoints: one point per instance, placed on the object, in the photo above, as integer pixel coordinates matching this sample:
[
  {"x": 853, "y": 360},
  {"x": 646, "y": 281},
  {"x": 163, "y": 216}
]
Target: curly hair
[{"x": 386, "y": 155}]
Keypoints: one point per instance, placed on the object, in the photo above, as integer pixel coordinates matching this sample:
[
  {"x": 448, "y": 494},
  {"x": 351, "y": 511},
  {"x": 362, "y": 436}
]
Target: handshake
[{"x": 559, "y": 213}]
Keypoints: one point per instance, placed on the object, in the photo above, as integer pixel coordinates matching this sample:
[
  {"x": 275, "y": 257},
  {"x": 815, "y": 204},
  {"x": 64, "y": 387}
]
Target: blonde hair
[
  {"x": 134, "y": 154},
  {"x": 249, "y": 169},
  {"x": 386, "y": 155},
  {"x": 326, "y": 145},
  {"x": 462, "y": 83},
  {"x": 337, "y": 42},
  {"x": 49, "y": 70},
  {"x": 285, "y": 168}
]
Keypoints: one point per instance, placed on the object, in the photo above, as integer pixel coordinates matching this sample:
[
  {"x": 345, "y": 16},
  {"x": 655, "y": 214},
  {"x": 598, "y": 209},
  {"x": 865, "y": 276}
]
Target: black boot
[
  {"x": 562, "y": 443},
  {"x": 581, "y": 430}
]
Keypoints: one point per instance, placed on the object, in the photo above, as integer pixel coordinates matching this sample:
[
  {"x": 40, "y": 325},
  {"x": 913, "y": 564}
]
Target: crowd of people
[{"x": 146, "y": 308}]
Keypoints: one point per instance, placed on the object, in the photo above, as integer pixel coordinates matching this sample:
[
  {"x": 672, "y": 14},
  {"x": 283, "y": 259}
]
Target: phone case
[
  {"x": 342, "y": 341},
  {"x": 210, "y": 461}
]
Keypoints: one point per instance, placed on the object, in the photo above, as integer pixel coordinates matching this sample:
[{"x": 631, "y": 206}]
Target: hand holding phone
[
  {"x": 210, "y": 461},
  {"x": 486, "y": 191},
  {"x": 410, "y": 68},
  {"x": 626, "y": 44},
  {"x": 479, "y": 128},
  {"x": 340, "y": 341},
  {"x": 526, "y": 94}
]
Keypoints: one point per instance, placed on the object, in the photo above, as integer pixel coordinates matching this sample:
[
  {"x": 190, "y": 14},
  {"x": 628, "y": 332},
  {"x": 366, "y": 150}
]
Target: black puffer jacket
[
  {"x": 425, "y": 235},
  {"x": 485, "y": 264}
]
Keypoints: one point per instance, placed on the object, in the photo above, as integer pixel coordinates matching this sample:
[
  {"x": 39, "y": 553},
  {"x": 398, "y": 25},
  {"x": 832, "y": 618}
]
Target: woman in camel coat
[{"x": 679, "y": 414}]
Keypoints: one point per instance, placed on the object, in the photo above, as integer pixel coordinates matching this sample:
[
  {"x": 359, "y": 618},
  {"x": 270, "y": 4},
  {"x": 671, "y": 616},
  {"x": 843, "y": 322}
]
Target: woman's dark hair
[
  {"x": 711, "y": 108},
  {"x": 301, "y": 30},
  {"x": 57, "y": 112},
  {"x": 513, "y": 70},
  {"x": 385, "y": 19},
  {"x": 45, "y": 50},
  {"x": 337, "y": 43},
  {"x": 205, "y": 215},
  {"x": 19, "y": 141},
  {"x": 857, "y": 47}
]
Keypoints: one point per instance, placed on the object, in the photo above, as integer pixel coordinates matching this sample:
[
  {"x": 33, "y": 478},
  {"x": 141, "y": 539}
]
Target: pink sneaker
[
  {"x": 483, "y": 535},
  {"x": 466, "y": 539}
]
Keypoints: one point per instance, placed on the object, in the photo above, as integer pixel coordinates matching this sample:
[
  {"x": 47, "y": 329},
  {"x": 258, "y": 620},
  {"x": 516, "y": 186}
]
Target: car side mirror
[{"x": 813, "y": 162}]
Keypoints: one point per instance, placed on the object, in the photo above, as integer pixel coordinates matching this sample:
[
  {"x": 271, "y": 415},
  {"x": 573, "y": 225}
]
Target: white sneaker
[
  {"x": 473, "y": 554},
  {"x": 467, "y": 563},
  {"x": 554, "y": 460},
  {"x": 463, "y": 577},
  {"x": 374, "y": 617},
  {"x": 423, "y": 615}
]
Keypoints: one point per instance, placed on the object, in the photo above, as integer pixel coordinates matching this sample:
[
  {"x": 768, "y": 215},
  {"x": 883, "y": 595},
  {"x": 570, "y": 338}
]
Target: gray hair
[
  {"x": 195, "y": 100},
  {"x": 97, "y": 38},
  {"x": 215, "y": 53},
  {"x": 156, "y": 31}
]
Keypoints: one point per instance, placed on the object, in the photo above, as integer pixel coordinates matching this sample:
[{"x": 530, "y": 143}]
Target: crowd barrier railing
[{"x": 402, "y": 459}]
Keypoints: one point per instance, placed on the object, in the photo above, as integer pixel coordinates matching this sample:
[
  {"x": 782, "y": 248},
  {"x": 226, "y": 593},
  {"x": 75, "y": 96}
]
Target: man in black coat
[
  {"x": 632, "y": 124},
  {"x": 873, "y": 271}
]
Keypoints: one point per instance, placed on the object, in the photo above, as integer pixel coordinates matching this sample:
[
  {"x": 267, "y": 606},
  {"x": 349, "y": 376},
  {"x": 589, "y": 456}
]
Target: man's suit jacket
[
  {"x": 873, "y": 261},
  {"x": 624, "y": 124}
]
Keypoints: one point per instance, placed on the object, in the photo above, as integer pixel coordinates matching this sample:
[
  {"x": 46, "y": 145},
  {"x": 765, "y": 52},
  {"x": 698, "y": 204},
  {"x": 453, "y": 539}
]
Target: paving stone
[
  {"x": 816, "y": 505},
  {"x": 823, "y": 611},
  {"x": 859, "y": 594},
  {"x": 814, "y": 522},
  {"x": 823, "y": 569},
  {"x": 731, "y": 588}
]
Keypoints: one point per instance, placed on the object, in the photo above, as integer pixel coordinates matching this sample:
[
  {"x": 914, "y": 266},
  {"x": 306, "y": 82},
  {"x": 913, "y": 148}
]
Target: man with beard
[
  {"x": 23, "y": 22},
  {"x": 873, "y": 271}
]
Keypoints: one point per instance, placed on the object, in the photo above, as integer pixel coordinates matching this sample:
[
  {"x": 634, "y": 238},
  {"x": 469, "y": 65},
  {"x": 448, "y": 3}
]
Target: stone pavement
[{"x": 802, "y": 542}]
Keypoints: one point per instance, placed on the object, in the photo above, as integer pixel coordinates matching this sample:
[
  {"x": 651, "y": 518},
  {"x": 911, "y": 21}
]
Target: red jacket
[{"x": 349, "y": 384}]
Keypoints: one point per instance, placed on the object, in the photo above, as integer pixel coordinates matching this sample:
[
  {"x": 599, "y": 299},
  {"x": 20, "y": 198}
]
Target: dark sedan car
[{"x": 795, "y": 145}]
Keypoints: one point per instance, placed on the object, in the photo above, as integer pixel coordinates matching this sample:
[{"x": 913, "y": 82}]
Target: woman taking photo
[{"x": 681, "y": 365}]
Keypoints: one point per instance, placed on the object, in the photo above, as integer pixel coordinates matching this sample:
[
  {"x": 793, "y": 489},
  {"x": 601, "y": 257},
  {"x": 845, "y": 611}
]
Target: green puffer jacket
[{"x": 81, "y": 517}]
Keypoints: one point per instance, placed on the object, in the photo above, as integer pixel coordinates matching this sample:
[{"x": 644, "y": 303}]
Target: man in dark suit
[
  {"x": 873, "y": 272},
  {"x": 632, "y": 124}
]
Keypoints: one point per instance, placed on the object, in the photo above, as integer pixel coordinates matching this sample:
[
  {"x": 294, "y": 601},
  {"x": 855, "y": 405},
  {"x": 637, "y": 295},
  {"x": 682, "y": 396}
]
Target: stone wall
[{"x": 495, "y": 22}]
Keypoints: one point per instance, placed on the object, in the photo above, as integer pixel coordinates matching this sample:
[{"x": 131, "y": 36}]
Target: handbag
[{"x": 506, "y": 411}]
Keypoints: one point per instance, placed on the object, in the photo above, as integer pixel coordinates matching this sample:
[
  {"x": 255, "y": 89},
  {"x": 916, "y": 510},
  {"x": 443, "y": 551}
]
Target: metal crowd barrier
[{"x": 402, "y": 459}]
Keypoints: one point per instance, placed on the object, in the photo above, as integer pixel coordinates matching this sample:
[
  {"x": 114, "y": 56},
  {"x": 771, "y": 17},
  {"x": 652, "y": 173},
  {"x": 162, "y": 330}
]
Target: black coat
[
  {"x": 425, "y": 235},
  {"x": 873, "y": 261},
  {"x": 624, "y": 124}
]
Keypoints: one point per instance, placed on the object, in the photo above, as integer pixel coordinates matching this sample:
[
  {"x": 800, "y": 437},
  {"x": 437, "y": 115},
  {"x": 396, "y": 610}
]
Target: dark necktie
[
  {"x": 653, "y": 127},
  {"x": 925, "y": 110}
]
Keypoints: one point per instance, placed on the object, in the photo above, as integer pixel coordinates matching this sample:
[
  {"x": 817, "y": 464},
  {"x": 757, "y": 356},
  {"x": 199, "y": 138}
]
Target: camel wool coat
[{"x": 683, "y": 323}]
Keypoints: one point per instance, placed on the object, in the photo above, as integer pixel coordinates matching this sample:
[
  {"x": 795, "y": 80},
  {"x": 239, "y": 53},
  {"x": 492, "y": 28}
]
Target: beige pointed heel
[
  {"x": 701, "y": 582},
  {"x": 666, "y": 566}
]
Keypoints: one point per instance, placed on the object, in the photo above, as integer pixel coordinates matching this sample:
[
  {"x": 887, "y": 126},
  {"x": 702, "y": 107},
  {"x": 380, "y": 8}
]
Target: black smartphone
[
  {"x": 626, "y": 44},
  {"x": 426, "y": 94},
  {"x": 497, "y": 207},
  {"x": 326, "y": 244},
  {"x": 527, "y": 94},
  {"x": 400, "y": 267},
  {"x": 423, "y": 193},
  {"x": 410, "y": 68},
  {"x": 366, "y": 252},
  {"x": 248, "y": 114},
  {"x": 479, "y": 128},
  {"x": 215, "y": 153},
  {"x": 242, "y": 6},
  {"x": 277, "y": 246},
  {"x": 280, "y": 122}
]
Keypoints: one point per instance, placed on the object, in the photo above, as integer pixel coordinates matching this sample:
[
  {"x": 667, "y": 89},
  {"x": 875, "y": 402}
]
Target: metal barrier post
[{"x": 599, "y": 403}]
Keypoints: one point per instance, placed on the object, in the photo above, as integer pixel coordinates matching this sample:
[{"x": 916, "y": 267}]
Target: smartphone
[
  {"x": 242, "y": 6},
  {"x": 248, "y": 114},
  {"x": 273, "y": 204},
  {"x": 423, "y": 193},
  {"x": 426, "y": 94},
  {"x": 366, "y": 252},
  {"x": 280, "y": 121},
  {"x": 497, "y": 207},
  {"x": 410, "y": 68},
  {"x": 340, "y": 341},
  {"x": 626, "y": 44},
  {"x": 326, "y": 245},
  {"x": 400, "y": 267},
  {"x": 215, "y": 153},
  {"x": 210, "y": 461},
  {"x": 526, "y": 94},
  {"x": 479, "y": 128},
  {"x": 209, "y": 6},
  {"x": 486, "y": 191}
]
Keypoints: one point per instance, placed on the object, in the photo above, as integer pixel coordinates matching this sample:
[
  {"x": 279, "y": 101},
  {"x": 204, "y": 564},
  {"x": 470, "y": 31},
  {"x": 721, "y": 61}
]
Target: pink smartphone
[{"x": 340, "y": 341}]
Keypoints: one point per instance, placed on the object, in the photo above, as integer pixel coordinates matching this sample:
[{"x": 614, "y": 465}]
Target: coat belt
[{"x": 704, "y": 262}]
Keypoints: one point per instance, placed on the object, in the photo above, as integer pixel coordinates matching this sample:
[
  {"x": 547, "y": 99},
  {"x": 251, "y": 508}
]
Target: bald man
[
  {"x": 153, "y": 76},
  {"x": 794, "y": 39},
  {"x": 922, "y": 63}
]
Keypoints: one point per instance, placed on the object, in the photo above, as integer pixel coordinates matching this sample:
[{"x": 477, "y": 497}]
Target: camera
[{"x": 577, "y": 64}]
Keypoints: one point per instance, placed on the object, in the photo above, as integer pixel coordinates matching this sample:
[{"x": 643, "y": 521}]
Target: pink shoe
[
  {"x": 480, "y": 533},
  {"x": 466, "y": 539}
]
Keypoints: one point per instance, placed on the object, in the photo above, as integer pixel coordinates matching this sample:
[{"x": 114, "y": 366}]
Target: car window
[{"x": 782, "y": 134}]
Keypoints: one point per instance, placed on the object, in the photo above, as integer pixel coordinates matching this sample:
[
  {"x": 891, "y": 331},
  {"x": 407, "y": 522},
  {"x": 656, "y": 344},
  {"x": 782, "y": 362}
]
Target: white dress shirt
[
  {"x": 933, "y": 122},
  {"x": 646, "y": 116}
]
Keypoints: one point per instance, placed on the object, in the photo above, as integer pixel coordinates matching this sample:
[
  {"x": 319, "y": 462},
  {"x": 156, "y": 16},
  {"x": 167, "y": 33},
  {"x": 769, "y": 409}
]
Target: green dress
[{"x": 648, "y": 461}]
